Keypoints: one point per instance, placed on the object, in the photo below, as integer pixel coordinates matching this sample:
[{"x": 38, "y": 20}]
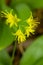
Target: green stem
[{"x": 14, "y": 49}]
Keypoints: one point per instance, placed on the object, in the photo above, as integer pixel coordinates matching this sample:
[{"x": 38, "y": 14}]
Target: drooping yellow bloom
[
  {"x": 29, "y": 30},
  {"x": 20, "y": 36},
  {"x": 10, "y": 18},
  {"x": 32, "y": 25},
  {"x": 32, "y": 22}
]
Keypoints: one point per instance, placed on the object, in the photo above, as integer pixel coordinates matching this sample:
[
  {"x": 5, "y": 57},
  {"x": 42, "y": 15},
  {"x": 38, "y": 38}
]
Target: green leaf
[
  {"x": 2, "y": 4},
  {"x": 32, "y": 3},
  {"x": 23, "y": 11},
  {"x": 6, "y": 37},
  {"x": 34, "y": 53},
  {"x": 40, "y": 61},
  {"x": 4, "y": 58},
  {"x": 36, "y": 4}
]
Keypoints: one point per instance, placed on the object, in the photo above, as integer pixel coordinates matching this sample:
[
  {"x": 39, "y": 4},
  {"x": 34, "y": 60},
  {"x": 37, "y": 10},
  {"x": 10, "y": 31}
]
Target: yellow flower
[
  {"x": 32, "y": 25},
  {"x": 11, "y": 19},
  {"x": 32, "y": 22},
  {"x": 21, "y": 37}
]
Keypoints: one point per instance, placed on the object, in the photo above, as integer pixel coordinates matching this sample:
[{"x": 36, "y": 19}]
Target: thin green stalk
[{"x": 14, "y": 49}]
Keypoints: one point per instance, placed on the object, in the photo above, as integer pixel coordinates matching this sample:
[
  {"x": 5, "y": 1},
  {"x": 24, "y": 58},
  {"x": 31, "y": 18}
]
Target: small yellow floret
[
  {"x": 20, "y": 36},
  {"x": 29, "y": 30},
  {"x": 32, "y": 22}
]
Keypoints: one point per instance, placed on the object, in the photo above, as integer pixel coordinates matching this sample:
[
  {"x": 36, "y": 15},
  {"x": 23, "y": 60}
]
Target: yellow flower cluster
[
  {"x": 10, "y": 19},
  {"x": 32, "y": 25},
  {"x": 13, "y": 20}
]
